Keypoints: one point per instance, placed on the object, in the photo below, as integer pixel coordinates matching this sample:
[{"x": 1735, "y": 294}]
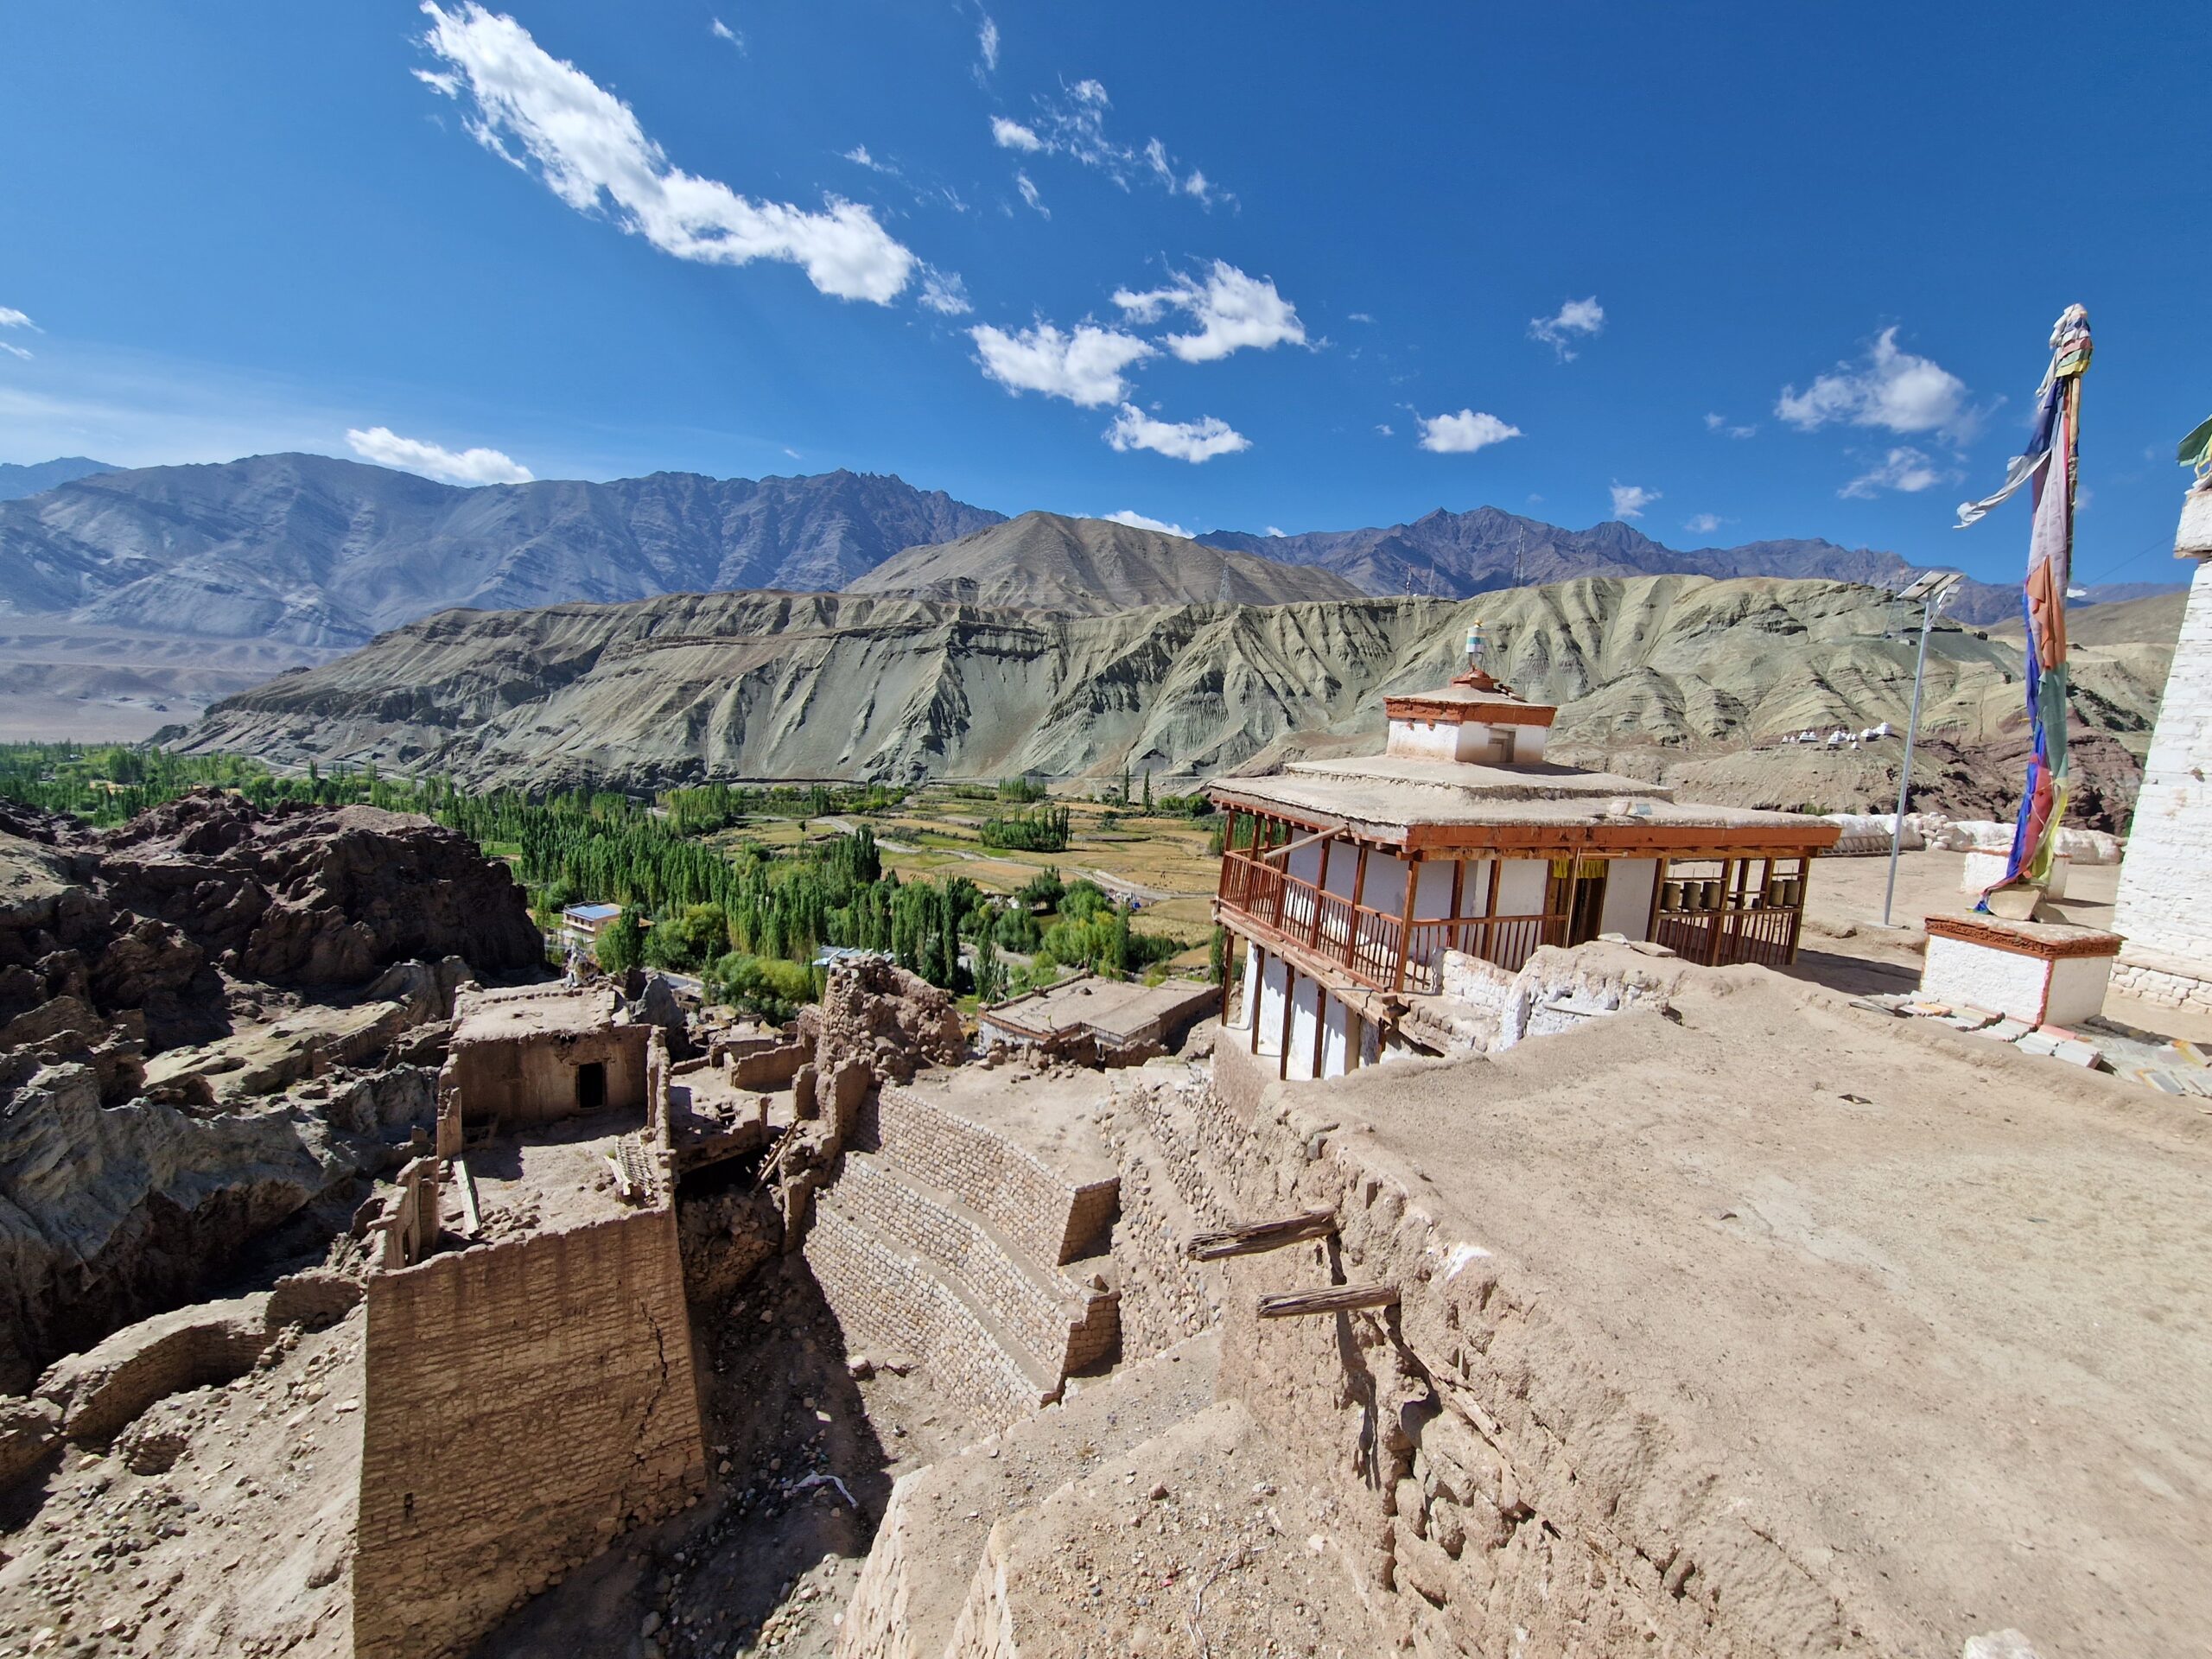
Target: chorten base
[{"x": 2046, "y": 973}]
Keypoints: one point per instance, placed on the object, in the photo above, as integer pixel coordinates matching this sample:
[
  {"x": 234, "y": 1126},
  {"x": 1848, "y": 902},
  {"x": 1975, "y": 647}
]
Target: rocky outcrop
[{"x": 158, "y": 1119}]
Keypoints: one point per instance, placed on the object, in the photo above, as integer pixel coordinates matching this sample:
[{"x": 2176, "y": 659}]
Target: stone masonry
[{"x": 2163, "y": 909}]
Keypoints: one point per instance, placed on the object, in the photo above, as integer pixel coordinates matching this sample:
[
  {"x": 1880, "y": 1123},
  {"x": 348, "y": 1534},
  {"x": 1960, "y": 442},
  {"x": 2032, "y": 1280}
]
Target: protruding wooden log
[
  {"x": 1253, "y": 1236},
  {"x": 1335, "y": 1298}
]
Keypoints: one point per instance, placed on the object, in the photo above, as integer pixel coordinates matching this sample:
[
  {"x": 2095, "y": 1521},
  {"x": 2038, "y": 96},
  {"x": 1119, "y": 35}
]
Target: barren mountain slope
[
  {"x": 1090, "y": 567},
  {"x": 753, "y": 685}
]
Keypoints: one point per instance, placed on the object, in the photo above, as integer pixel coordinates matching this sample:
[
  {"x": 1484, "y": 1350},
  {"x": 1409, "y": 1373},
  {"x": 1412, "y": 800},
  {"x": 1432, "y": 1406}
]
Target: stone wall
[
  {"x": 1165, "y": 1197},
  {"x": 887, "y": 1302},
  {"x": 1063, "y": 1325},
  {"x": 522, "y": 1402},
  {"x": 531, "y": 1080},
  {"x": 2163, "y": 908},
  {"x": 1493, "y": 1502},
  {"x": 1044, "y": 1212}
]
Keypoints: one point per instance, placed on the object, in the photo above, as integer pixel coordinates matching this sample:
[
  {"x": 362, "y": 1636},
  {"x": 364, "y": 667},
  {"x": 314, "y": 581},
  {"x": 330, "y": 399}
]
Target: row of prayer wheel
[{"x": 1688, "y": 897}]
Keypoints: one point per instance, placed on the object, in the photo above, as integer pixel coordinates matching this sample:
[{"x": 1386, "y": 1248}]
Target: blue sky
[{"x": 1740, "y": 271}]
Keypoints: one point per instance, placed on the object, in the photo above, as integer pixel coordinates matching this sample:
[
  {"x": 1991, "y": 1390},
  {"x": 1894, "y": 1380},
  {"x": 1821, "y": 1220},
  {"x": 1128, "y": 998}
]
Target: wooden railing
[
  {"x": 1369, "y": 944},
  {"x": 1760, "y": 933}
]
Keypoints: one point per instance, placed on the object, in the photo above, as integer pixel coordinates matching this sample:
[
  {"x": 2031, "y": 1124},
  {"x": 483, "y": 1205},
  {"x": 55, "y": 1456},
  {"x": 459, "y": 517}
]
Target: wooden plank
[
  {"x": 1337, "y": 1298},
  {"x": 471, "y": 1216},
  {"x": 1251, "y": 1238}
]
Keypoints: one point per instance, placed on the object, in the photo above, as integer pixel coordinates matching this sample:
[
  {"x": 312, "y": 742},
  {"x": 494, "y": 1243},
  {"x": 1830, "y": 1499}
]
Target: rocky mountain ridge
[
  {"x": 1092, "y": 567},
  {"x": 693, "y": 687},
  {"x": 18, "y": 479}
]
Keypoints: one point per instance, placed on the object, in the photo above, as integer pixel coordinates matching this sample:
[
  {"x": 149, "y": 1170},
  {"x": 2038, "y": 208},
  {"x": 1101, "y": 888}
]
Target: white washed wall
[{"x": 2165, "y": 906}]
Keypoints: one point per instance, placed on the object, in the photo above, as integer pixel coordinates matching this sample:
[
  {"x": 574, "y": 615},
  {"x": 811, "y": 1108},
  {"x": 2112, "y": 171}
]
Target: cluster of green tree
[
  {"x": 717, "y": 806},
  {"x": 1040, "y": 830},
  {"x": 110, "y": 784},
  {"x": 1182, "y": 806}
]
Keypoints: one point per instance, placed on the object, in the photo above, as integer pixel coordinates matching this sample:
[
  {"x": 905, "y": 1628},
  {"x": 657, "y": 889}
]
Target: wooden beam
[
  {"x": 1335, "y": 1298},
  {"x": 1406, "y": 921},
  {"x": 1289, "y": 1003},
  {"x": 1251, "y": 1238},
  {"x": 1257, "y": 983}
]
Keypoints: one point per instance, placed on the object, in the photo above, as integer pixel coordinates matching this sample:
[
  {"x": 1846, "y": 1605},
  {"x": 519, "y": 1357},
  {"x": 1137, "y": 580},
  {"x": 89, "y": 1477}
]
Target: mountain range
[{"x": 691, "y": 687}]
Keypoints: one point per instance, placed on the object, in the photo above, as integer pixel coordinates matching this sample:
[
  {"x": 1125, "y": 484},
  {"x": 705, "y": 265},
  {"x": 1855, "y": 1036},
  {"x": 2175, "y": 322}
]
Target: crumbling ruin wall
[
  {"x": 1495, "y": 1498},
  {"x": 1167, "y": 1194},
  {"x": 522, "y": 1402}
]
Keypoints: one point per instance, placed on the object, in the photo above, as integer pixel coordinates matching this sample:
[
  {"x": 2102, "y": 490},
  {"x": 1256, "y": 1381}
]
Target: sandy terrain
[{"x": 1935, "y": 1310}]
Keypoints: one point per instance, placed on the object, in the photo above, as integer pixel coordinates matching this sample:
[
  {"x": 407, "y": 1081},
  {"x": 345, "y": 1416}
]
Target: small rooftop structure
[
  {"x": 539, "y": 1054},
  {"x": 1102, "y": 1021}
]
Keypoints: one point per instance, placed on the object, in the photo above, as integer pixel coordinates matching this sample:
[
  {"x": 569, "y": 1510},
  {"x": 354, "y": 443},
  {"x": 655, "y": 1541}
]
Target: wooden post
[
  {"x": 1259, "y": 991},
  {"x": 1358, "y": 897},
  {"x": 1573, "y": 885},
  {"x": 1355, "y": 1037},
  {"x": 1335, "y": 1298},
  {"x": 1320, "y": 1027},
  {"x": 1251, "y": 1238},
  {"x": 1720, "y": 914},
  {"x": 1490, "y": 909},
  {"x": 1289, "y": 1002},
  {"x": 1658, "y": 887},
  {"x": 1459, "y": 890},
  {"x": 1406, "y": 919}
]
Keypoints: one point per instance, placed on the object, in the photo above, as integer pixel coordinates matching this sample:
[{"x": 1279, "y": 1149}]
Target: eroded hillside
[{"x": 761, "y": 685}]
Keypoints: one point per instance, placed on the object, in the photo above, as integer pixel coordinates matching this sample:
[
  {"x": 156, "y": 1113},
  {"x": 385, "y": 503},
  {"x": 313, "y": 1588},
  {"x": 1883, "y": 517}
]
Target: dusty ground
[
  {"x": 1938, "y": 1310},
  {"x": 240, "y": 1548}
]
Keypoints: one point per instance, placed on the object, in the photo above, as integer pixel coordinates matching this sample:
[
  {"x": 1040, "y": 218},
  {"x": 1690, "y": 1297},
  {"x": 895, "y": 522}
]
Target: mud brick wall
[
  {"x": 1499, "y": 1494},
  {"x": 1165, "y": 1197},
  {"x": 768, "y": 1068},
  {"x": 1057, "y": 1219},
  {"x": 1063, "y": 1327},
  {"x": 888, "y": 1303},
  {"x": 523, "y": 1403}
]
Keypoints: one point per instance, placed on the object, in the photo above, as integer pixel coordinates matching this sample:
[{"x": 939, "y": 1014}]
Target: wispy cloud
[
  {"x": 1888, "y": 387},
  {"x": 722, "y": 31},
  {"x": 1386, "y": 428},
  {"x": 1086, "y": 366},
  {"x": 944, "y": 293},
  {"x": 1578, "y": 320},
  {"x": 11, "y": 318},
  {"x": 1904, "y": 469},
  {"x": 1231, "y": 310},
  {"x": 1720, "y": 424},
  {"x": 1703, "y": 523},
  {"x": 1028, "y": 188},
  {"x": 1138, "y": 521},
  {"x": 987, "y": 44},
  {"x": 1463, "y": 433},
  {"x": 590, "y": 150},
  {"x": 1191, "y": 441},
  {"x": 1630, "y": 499},
  {"x": 387, "y": 449},
  {"x": 1357, "y": 317},
  {"x": 1073, "y": 124}
]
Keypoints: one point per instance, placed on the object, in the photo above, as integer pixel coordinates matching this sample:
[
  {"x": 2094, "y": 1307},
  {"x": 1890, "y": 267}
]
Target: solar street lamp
[{"x": 1933, "y": 590}]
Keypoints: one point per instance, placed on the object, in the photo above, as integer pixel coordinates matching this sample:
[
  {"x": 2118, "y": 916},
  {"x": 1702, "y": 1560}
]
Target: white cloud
[
  {"x": 944, "y": 293},
  {"x": 1904, "y": 469},
  {"x": 1074, "y": 124},
  {"x": 1385, "y": 428},
  {"x": 1191, "y": 441},
  {"x": 590, "y": 150},
  {"x": 1275, "y": 530},
  {"x": 11, "y": 318},
  {"x": 987, "y": 44},
  {"x": 1357, "y": 317},
  {"x": 387, "y": 449},
  {"x": 1889, "y": 388},
  {"x": 1138, "y": 521},
  {"x": 1231, "y": 310},
  {"x": 1463, "y": 433},
  {"x": 14, "y": 350},
  {"x": 1023, "y": 183},
  {"x": 858, "y": 156},
  {"x": 1084, "y": 366},
  {"x": 1630, "y": 499},
  {"x": 1719, "y": 423},
  {"x": 722, "y": 31},
  {"x": 1577, "y": 319},
  {"x": 1703, "y": 523},
  {"x": 1009, "y": 134}
]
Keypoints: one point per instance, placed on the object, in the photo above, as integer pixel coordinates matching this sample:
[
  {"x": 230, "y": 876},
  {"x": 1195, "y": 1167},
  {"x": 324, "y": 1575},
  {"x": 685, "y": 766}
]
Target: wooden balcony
[{"x": 1370, "y": 946}]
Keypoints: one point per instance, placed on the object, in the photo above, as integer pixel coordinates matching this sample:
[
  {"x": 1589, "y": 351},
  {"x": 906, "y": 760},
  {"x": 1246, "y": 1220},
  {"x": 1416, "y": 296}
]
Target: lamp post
[{"x": 1932, "y": 589}]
